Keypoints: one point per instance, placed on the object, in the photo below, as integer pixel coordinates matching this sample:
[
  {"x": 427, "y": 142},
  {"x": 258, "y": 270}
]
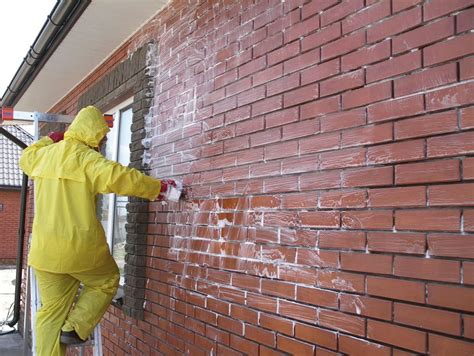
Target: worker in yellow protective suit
[{"x": 69, "y": 245}]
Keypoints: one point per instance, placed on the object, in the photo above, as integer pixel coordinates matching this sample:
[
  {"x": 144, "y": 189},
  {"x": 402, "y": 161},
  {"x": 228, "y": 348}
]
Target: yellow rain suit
[{"x": 69, "y": 244}]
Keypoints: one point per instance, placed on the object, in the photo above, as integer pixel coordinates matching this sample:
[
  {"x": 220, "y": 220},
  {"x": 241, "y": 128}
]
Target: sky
[{"x": 21, "y": 21}]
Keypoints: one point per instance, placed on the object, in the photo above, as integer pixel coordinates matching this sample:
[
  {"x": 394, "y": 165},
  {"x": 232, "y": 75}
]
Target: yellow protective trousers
[{"x": 58, "y": 293}]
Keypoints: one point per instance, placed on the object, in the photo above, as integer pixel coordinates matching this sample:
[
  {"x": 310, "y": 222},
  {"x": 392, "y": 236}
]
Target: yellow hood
[{"x": 88, "y": 127}]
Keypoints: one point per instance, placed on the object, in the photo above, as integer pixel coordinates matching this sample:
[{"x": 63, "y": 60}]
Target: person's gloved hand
[
  {"x": 166, "y": 185},
  {"x": 56, "y": 136}
]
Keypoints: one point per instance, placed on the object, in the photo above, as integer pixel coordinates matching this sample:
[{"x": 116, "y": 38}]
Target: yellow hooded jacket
[{"x": 67, "y": 236}]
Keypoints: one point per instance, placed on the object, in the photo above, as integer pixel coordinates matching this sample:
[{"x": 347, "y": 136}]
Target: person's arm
[
  {"x": 30, "y": 154},
  {"x": 112, "y": 177}
]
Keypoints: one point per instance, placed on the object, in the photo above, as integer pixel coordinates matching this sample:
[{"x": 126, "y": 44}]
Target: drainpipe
[{"x": 21, "y": 232}]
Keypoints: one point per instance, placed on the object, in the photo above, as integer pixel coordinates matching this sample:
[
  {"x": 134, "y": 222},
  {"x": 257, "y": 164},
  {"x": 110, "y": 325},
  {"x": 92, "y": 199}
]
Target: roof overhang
[{"x": 101, "y": 28}]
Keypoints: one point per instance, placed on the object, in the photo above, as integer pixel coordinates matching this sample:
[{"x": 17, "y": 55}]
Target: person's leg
[
  {"x": 57, "y": 293},
  {"x": 100, "y": 286}
]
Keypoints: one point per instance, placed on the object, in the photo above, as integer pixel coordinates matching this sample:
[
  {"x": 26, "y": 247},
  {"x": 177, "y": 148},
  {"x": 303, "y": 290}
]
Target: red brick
[
  {"x": 317, "y": 336},
  {"x": 468, "y": 216},
  {"x": 393, "y": 109},
  {"x": 300, "y": 274},
  {"x": 367, "y": 177},
  {"x": 364, "y": 262},
  {"x": 342, "y": 199},
  {"x": 393, "y": 67},
  {"x": 319, "y": 107},
  {"x": 320, "y": 71},
  {"x": 468, "y": 273},
  {"x": 300, "y": 129},
  {"x": 467, "y": 118},
  {"x": 455, "y": 194},
  {"x": 251, "y": 96},
  {"x": 367, "y": 135},
  {"x": 447, "y": 50},
  {"x": 279, "y": 289},
  {"x": 424, "y": 35},
  {"x": 397, "y": 335},
  {"x": 343, "y": 159},
  {"x": 352, "y": 240},
  {"x": 318, "y": 297},
  {"x": 302, "y": 29},
  {"x": 460, "y": 246},
  {"x": 465, "y": 20},
  {"x": 397, "y": 197},
  {"x": 298, "y": 311},
  {"x": 281, "y": 117},
  {"x": 298, "y": 237},
  {"x": 217, "y": 335},
  {"x": 286, "y": 52},
  {"x": 394, "y": 25},
  {"x": 343, "y": 120},
  {"x": 426, "y": 268},
  {"x": 320, "y": 219},
  {"x": 428, "y": 219},
  {"x": 321, "y": 37},
  {"x": 299, "y": 164},
  {"x": 268, "y": 45},
  {"x": 360, "y": 347},
  {"x": 441, "y": 345},
  {"x": 343, "y": 281},
  {"x": 243, "y": 345},
  {"x": 451, "y": 145},
  {"x": 302, "y": 61},
  {"x": 344, "y": 45},
  {"x": 318, "y": 143},
  {"x": 437, "y": 8},
  {"x": 221, "y": 349},
  {"x": 293, "y": 346},
  {"x": 398, "y": 5},
  {"x": 342, "y": 83},
  {"x": 396, "y": 152},
  {"x": 315, "y": 7},
  {"x": 368, "y": 219},
  {"x": 316, "y": 258},
  {"x": 468, "y": 322},
  {"x": 267, "y": 105},
  {"x": 467, "y": 68},
  {"x": 320, "y": 180},
  {"x": 260, "y": 335},
  {"x": 367, "y": 95},
  {"x": 301, "y": 95},
  {"x": 340, "y": 11},
  {"x": 343, "y": 322},
  {"x": 427, "y": 172},
  {"x": 267, "y": 75},
  {"x": 366, "y": 306},
  {"x": 262, "y": 302},
  {"x": 276, "y": 323},
  {"x": 428, "y": 318},
  {"x": 396, "y": 289},
  {"x": 283, "y": 84},
  {"x": 468, "y": 168},
  {"x": 366, "y": 17},
  {"x": 396, "y": 242},
  {"x": 460, "y": 94},
  {"x": 281, "y": 150},
  {"x": 366, "y": 55},
  {"x": 427, "y": 125},
  {"x": 426, "y": 79},
  {"x": 442, "y": 296}
]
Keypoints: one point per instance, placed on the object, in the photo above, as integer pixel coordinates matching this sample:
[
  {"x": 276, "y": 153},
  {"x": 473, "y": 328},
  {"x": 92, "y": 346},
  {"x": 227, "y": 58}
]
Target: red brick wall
[
  {"x": 9, "y": 223},
  {"x": 329, "y": 147}
]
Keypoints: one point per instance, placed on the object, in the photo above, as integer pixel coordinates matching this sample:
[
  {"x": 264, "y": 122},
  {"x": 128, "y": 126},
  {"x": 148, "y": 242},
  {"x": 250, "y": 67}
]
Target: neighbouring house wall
[
  {"x": 329, "y": 148},
  {"x": 9, "y": 220}
]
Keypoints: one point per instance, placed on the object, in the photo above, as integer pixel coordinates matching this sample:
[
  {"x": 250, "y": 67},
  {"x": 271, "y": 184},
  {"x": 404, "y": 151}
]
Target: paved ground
[{"x": 11, "y": 344}]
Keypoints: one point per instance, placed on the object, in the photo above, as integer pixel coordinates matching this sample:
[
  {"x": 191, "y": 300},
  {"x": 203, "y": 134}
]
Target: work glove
[
  {"x": 56, "y": 136},
  {"x": 165, "y": 190}
]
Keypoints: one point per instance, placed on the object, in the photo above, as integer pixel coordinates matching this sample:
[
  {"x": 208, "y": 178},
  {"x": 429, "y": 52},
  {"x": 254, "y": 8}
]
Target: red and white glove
[
  {"x": 166, "y": 185},
  {"x": 56, "y": 136}
]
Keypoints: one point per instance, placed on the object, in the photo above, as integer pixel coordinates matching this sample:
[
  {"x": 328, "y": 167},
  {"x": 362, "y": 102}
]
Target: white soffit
[{"x": 102, "y": 28}]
